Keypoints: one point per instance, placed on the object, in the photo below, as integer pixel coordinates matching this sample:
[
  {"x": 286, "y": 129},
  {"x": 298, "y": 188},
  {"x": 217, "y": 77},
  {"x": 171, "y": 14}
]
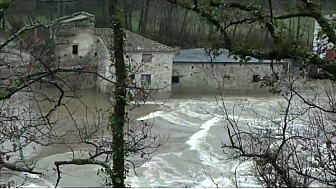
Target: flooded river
[{"x": 192, "y": 157}]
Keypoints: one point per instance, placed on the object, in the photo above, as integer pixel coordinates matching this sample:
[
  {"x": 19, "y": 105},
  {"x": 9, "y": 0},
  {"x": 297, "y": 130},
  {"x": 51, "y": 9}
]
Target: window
[
  {"x": 256, "y": 78},
  {"x": 147, "y": 57},
  {"x": 145, "y": 80},
  {"x": 175, "y": 79},
  {"x": 74, "y": 49}
]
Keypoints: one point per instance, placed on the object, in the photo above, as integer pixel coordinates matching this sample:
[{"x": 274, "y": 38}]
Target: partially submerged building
[
  {"x": 78, "y": 43},
  {"x": 195, "y": 71},
  {"x": 149, "y": 63}
]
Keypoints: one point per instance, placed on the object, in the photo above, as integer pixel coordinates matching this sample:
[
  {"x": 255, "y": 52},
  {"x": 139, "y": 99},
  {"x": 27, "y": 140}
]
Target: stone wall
[
  {"x": 105, "y": 68},
  {"x": 80, "y": 35},
  {"x": 206, "y": 77},
  {"x": 159, "y": 69}
]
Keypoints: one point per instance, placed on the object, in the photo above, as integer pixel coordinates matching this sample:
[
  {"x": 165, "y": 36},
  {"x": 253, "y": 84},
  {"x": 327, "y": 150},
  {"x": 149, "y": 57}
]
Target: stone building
[
  {"x": 150, "y": 65},
  {"x": 75, "y": 46},
  {"x": 195, "y": 71},
  {"x": 79, "y": 43}
]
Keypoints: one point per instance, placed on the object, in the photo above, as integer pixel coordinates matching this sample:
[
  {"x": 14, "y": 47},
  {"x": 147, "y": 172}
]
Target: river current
[{"x": 192, "y": 157}]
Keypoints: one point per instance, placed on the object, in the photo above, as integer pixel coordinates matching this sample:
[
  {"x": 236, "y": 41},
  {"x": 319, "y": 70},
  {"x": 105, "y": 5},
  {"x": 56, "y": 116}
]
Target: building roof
[
  {"x": 74, "y": 17},
  {"x": 198, "y": 55},
  {"x": 133, "y": 42}
]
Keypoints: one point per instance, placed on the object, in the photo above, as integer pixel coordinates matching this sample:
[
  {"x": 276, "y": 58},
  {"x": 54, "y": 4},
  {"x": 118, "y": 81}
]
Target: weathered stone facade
[
  {"x": 78, "y": 43},
  {"x": 149, "y": 63},
  {"x": 76, "y": 46},
  {"x": 194, "y": 72}
]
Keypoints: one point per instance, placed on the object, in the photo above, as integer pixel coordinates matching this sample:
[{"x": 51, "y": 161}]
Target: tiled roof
[
  {"x": 199, "y": 56},
  {"x": 133, "y": 42}
]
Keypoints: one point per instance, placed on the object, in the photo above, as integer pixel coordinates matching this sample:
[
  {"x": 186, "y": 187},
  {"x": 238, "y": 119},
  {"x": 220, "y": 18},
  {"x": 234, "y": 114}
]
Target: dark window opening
[
  {"x": 190, "y": 74},
  {"x": 147, "y": 57},
  {"x": 175, "y": 79},
  {"x": 192, "y": 67},
  {"x": 96, "y": 53},
  {"x": 64, "y": 55},
  {"x": 256, "y": 78},
  {"x": 145, "y": 79},
  {"x": 74, "y": 49}
]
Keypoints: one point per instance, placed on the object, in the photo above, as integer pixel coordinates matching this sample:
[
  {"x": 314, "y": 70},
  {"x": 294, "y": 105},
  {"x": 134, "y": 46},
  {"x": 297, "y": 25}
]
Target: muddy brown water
[
  {"x": 86, "y": 109},
  {"x": 176, "y": 123}
]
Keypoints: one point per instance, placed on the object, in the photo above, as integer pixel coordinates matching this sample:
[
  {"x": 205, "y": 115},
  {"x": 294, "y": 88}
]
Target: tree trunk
[
  {"x": 298, "y": 29},
  {"x": 141, "y": 17},
  {"x": 126, "y": 15},
  {"x": 130, "y": 16},
  {"x": 106, "y": 14},
  {"x": 117, "y": 120},
  {"x": 161, "y": 20},
  {"x": 169, "y": 21},
  {"x": 2, "y": 20},
  {"x": 144, "y": 26},
  {"x": 182, "y": 27}
]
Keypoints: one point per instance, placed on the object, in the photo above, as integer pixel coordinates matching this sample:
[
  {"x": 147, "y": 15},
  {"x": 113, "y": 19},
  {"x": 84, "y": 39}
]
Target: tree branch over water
[{"x": 213, "y": 11}]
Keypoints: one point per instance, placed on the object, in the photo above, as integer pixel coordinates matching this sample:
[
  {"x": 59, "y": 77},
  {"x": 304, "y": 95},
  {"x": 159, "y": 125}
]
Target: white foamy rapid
[
  {"x": 150, "y": 116},
  {"x": 191, "y": 157},
  {"x": 199, "y": 137}
]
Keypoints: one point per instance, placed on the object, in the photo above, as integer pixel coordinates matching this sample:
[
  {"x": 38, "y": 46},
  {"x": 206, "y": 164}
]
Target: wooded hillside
[{"x": 155, "y": 19}]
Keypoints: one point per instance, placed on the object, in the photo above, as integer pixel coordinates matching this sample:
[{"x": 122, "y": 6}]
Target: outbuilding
[{"x": 195, "y": 70}]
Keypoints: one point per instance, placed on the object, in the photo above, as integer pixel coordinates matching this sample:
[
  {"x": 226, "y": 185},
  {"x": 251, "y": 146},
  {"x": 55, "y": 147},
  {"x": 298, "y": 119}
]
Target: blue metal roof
[{"x": 199, "y": 56}]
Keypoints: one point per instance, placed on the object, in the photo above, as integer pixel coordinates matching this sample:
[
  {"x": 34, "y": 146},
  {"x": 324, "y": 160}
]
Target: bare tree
[
  {"x": 292, "y": 145},
  {"x": 32, "y": 118},
  {"x": 223, "y": 16}
]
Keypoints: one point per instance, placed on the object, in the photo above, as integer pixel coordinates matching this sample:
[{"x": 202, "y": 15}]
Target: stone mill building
[{"x": 151, "y": 65}]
